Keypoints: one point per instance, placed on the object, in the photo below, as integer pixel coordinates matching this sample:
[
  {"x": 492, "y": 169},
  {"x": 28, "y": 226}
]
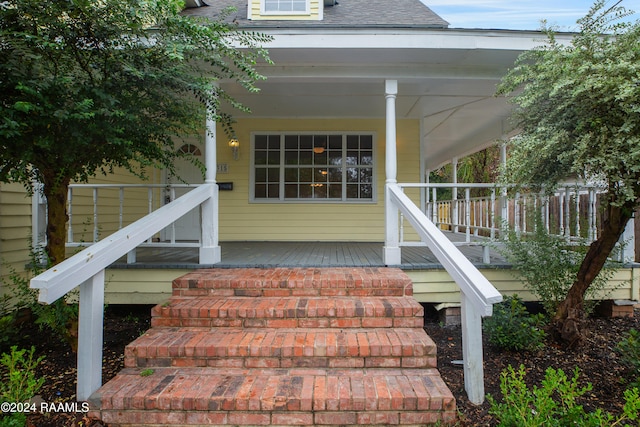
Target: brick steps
[
  {"x": 290, "y": 312},
  {"x": 330, "y": 347},
  {"x": 276, "y": 397},
  {"x": 274, "y": 282},
  {"x": 282, "y": 348}
]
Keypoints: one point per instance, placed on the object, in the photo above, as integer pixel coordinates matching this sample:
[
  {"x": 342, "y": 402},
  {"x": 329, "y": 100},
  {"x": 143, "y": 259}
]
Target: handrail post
[
  {"x": 472, "y": 351},
  {"x": 90, "y": 336},
  {"x": 210, "y": 251}
]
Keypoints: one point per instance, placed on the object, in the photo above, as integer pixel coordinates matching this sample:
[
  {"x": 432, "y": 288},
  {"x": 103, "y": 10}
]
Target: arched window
[{"x": 190, "y": 149}]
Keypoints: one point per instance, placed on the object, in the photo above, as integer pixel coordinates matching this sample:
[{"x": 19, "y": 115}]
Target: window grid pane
[
  {"x": 315, "y": 167},
  {"x": 285, "y": 5}
]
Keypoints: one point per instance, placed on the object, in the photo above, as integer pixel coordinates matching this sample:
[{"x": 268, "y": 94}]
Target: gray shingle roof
[{"x": 346, "y": 14}]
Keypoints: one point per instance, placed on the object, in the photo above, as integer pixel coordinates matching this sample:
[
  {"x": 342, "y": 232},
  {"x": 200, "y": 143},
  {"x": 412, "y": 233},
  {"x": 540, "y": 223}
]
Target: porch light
[{"x": 234, "y": 144}]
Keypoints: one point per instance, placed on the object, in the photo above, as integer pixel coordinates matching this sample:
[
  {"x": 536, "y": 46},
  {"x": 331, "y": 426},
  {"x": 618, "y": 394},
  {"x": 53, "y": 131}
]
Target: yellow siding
[
  {"x": 315, "y": 13},
  {"x": 132, "y": 286},
  {"x": 241, "y": 220},
  {"x": 146, "y": 286},
  {"x": 15, "y": 230},
  {"x": 437, "y": 286}
]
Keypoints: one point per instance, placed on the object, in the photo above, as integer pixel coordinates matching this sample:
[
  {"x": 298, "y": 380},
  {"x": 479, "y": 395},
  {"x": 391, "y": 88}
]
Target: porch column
[
  {"x": 209, "y": 246},
  {"x": 391, "y": 250}
]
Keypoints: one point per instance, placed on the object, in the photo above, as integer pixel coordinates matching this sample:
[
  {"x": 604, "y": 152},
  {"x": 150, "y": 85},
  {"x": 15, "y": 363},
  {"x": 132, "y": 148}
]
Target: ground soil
[{"x": 597, "y": 360}]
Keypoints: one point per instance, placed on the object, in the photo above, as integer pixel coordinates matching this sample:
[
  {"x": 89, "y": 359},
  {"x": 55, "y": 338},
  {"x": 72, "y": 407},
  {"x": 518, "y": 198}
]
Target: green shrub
[
  {"x": 512, "y": 327},
  {"x": 554, "y": 403},
  {"x": 629, "y": 349},
  {"x": 20, "y": 383},
  {"x": 548, "y": 265},
  {"x": 61, "y": 317}
]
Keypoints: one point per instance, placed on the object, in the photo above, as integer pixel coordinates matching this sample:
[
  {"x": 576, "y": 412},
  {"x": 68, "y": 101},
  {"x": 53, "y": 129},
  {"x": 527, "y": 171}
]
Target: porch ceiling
[{"x": 445, "y": 78}]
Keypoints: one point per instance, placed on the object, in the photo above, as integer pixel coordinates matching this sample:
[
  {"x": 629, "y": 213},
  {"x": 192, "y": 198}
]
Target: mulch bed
[{"x": 597, "y": 360}]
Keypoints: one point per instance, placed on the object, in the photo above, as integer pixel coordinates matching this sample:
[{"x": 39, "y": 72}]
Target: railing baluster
[
  {"x": 567, "y": 213},
  {"x": 516, "y": 214},
  {"x": 578, "y": 212},
  {"x": 149, "y": 207},
  {"x": 96, "y": 233},
  {"x": 121, "y": 209},
  {"x": 492, "y": 215},
  {"x": 592, "y": 215},
  {"x": 70, "y": 213},
  {"x": 467, "y": 213}
]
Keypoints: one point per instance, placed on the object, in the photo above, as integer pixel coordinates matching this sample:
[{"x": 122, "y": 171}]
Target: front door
[{"x": 187, "y": 228}]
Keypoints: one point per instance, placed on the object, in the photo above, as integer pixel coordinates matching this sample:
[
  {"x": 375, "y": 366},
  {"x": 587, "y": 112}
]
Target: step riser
[
  {"x": 298, "y": 282},
  {"x": 288, "y": 307},
  {"x": 289, "y": 418},
  {"x": 367, "y": 322},
  {"x": 276, "y": 362},
  {"x": 201, "y": 291}
]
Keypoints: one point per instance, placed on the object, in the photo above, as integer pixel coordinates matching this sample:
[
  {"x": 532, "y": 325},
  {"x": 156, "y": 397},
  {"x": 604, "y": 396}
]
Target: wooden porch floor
[{"x": 302, "y": 254}]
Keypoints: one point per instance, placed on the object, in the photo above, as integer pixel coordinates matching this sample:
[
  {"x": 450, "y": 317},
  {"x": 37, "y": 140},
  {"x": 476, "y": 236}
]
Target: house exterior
[{"x": 311, "y": 160}]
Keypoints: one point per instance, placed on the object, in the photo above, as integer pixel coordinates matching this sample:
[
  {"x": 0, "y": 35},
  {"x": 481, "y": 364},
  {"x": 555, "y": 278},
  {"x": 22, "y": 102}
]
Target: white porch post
[
  {"x": 90, "y": 327},
  {"x": 209, "y": 246},
  {"x": 472, "y": 351},
  {"x": 454, "y": 195},
  {"x": 391, "y": 250},
  {"x": 504, "y": 201},
  {"x": 628, "y": 242}
]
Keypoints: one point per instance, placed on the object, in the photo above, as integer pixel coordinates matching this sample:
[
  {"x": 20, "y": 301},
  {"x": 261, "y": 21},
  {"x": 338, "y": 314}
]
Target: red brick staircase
[{"x": 334, "y": 346}]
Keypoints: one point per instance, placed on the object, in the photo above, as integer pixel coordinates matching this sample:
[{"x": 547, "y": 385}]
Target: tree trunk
[
  {"x": 56, "y": 193},
  {"x": 569, "y": 314}
]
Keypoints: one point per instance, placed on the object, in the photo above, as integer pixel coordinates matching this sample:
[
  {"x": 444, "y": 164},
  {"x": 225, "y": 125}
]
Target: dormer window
[{"x": 285, "y": 6}]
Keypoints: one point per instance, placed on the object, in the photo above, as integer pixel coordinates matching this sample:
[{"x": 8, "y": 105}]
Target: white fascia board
[{"x": 410, "y": 38}]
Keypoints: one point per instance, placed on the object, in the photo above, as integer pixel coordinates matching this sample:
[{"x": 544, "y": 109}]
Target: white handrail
[
  {"x": 86, "y": 270},
  {"x": 477, "y": 294},
  {"x": 64, "y": 277}
]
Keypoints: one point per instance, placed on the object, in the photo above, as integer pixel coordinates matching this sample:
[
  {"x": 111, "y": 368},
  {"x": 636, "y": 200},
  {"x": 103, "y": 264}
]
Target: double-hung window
[
  {"x": 313, "y": 167},
  {"x": 286, "y": 6}
]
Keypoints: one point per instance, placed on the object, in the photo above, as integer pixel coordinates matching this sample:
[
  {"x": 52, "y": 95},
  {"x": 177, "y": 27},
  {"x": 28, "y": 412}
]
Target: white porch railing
[
  {"x": 94, "y": 209},
  {"x": 87, "y": 270},
  {"x": 477, "y": 294},
  {"x": 570, "y": 212}
]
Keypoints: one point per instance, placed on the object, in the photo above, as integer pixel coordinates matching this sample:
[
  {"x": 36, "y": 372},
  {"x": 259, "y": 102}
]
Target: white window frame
[
  {"x": 344, "y": 166},
  {"x": 264, "y": 11}
]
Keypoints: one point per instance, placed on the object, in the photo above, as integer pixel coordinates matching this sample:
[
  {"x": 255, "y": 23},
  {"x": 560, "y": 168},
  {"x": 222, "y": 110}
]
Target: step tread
[
  {"x": 299, "y": 389},
  {"x": 259, "y": 347},
  {"x": 303, "y": 281},
  {"x": 288, "y": 307}
]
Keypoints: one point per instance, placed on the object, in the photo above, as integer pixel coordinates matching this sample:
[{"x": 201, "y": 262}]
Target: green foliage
[
  {"x": 554, "y": 403},
  {"x": 89, "y": 86},
  {"x": 146, "y": 372},
  {"x": 60, "y": 317},
  {"x": 548, "y": 265},
  {"x": 20, "y": 383},
  {"x": 629, "y": 350},
  {"x": 15, "y": 419},
  {"x": 512, "y": 327},
  {"x": 577, "y": 106}
]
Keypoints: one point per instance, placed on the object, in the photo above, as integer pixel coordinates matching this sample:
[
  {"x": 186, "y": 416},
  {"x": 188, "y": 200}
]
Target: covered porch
[{"x": 304, "y": 254}]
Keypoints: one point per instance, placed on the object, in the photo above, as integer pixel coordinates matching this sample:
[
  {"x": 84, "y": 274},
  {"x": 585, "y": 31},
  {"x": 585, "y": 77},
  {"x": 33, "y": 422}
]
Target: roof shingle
[{"x": 345, "y": 14}]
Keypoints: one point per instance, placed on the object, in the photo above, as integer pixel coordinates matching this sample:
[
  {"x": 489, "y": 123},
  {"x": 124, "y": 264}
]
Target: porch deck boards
[{"x": 301, "y": 254}]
